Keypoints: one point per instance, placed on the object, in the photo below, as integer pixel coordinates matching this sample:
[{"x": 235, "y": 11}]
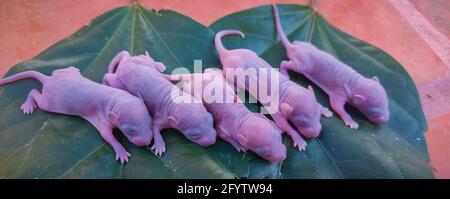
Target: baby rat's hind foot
[
  {"x": 159, "y": 146},
  {"x": 28, "y": 107},
  {"x": 30, "y": 103}
]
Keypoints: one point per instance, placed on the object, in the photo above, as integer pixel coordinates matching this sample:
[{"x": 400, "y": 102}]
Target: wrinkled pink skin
[
  {"x": 66, "y": 91},
  {"x": 141, "y": 76},
  {"x": 234, "y": 123},
  {"x": 297, "y": 104},
  {"x": 341, "y": 83}
]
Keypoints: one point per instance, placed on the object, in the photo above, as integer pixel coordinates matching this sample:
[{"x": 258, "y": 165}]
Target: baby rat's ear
[
  {"x": 173, "y": 122},
  {"x": 375, "y": 78},
  {"x": 242, "y": 140},
  {"x": 358, "y": 99},
  {"x": 285, "y": 109},
  {"x": 113, "y": 117}
]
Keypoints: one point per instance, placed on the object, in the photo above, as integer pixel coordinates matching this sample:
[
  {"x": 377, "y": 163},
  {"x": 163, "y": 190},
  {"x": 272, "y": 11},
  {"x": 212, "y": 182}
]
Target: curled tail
[
  {"x": 280, "y": 31},
  {"x": 217, "y": 40},
  {"x": 24, "y": 75},
  {"x": 116, "y": 60}
]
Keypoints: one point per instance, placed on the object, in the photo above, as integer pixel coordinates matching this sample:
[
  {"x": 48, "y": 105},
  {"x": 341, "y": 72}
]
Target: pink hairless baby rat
[
  {"x": 141, "y": 76},
  {"x": 341, "y": 83},
  {"x": 66, "y": 91},
  {"x": 234, "y": 123},
  {"x": 297, "y": 104}
]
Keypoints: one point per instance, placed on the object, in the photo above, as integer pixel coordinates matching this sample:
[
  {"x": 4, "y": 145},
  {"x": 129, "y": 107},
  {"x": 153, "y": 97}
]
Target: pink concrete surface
[
  {"x": 437, "y": 12},
  {"x": 381, "y": 25},
  {"x": 28, "y": 27},
  {"x": 438, "y": 138}
]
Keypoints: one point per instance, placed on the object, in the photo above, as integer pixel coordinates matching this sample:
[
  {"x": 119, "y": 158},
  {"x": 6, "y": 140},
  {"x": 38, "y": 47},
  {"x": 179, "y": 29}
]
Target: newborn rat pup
[
  {"x": 234, "y": 123},
  {"x": 66, "y": 91},
  {"x": 142, "y": 77},
  {"x": 297, "y": 105},
  {"x": 341, "y": 83}
]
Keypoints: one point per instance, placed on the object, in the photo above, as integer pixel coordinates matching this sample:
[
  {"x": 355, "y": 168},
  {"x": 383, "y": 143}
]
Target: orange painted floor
[{"x": 28, "y": 27}]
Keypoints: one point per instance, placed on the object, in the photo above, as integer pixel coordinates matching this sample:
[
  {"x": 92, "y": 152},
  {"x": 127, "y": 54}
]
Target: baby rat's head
[
  {"x": 304, "y": 113},
  {"x": 130, "y": 115},
  {"x": 370, "y": 98},
  {"x": 260, "y": 136},
  {"x": 195, "y": 123}
]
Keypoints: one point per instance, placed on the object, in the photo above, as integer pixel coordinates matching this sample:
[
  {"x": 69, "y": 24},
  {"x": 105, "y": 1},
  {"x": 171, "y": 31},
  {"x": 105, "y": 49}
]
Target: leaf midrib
[
  {"x": 102, "y": 51},
  {"x": 159, "y": 36},
  {"x": 82, "y": 159}
]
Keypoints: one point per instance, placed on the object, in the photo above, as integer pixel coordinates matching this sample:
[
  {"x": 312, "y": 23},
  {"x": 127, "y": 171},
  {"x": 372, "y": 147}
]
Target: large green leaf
[{"x": 48, "y": 145}]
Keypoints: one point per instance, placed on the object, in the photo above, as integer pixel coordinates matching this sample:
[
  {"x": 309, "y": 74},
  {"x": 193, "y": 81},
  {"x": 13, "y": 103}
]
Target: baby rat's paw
[
  {"x": 326, "y": 112},
  {"x": 28, "y": 107},
  {"x": 300, "y": 143},
  {"x": 159, "y": 148},
  {"x": 122, "y": 155},
  {"x": 352, "y": 124}
]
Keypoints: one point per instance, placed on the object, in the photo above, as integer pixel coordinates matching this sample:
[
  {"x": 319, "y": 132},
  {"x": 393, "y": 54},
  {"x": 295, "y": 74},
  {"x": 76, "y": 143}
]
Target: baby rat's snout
[
  {"x": 311, "y": 132},
  {"x": 207, "y": 141},
  {"x": 202, "y": 136},
  {"x": 140, "y": 141},
  {"x": 278, "y": 155},
  {"x": 380, "y": 119},
  {"x": 377, "y": 115}
]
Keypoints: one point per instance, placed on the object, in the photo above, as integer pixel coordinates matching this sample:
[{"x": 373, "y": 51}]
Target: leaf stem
[
  {"x": 313, "y": 5},
  {"x": 135, "y": 4}
]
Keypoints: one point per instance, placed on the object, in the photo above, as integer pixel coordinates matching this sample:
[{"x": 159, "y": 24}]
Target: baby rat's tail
[
  {"x": 116, "y": 60},
  {"x": 280, "y": 31},
  {"x": 24, "y": 75},
  {"x": 218, "y": 42}
]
